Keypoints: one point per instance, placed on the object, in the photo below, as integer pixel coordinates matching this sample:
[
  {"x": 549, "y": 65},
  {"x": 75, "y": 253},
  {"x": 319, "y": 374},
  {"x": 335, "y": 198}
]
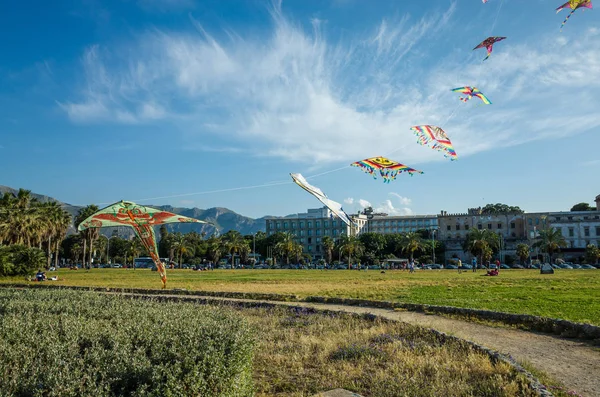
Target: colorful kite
[
  {"x": 427, "y": 134},
  {"x": 388, "y": 169},
  {"x": 471, "y": 92},
  {"x": 489, "y": 44},
  {"x": 141, "y": 219},
  {"x": 573, "y": 5},
  {"x": 334, "y": 206}
]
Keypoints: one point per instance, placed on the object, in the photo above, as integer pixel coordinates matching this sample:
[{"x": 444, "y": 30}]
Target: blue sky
[{"x": 182, "y": 102}]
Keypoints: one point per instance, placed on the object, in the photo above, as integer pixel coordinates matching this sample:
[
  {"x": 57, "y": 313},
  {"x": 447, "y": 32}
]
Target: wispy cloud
[
  {"x": 384, "y": 207},
  {"x": 296, "y": 95},
  {"x": 403, "y": 200}
]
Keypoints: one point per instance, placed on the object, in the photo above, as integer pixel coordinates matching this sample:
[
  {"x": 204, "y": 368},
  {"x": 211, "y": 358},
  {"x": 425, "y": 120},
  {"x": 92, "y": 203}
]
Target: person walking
[{"x": 459, "y": 266}]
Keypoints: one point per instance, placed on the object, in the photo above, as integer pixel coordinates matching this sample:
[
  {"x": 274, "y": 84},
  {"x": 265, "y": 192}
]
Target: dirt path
[{"x": 575, "y": 364}]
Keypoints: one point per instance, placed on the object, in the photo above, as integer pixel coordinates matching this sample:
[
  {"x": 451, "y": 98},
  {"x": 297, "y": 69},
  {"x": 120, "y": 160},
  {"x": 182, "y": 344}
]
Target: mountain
[{"x": 224, "y": 219}]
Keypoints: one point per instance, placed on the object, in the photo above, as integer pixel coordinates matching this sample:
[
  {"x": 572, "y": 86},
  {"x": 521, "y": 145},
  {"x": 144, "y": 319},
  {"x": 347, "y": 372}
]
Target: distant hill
[{"x": 224, "y": 219}]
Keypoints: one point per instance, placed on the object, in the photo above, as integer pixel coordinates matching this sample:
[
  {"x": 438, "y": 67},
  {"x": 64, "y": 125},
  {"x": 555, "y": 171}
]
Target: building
[
  {"x": 384, "y": 224},
  {"x": 454, "y": 228},
  {"x": 579, "y": 228},
  {"x": 310, "y": 227}
]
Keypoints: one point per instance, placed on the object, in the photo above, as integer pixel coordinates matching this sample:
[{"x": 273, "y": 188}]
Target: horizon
[{"x": 213, "y": 104}]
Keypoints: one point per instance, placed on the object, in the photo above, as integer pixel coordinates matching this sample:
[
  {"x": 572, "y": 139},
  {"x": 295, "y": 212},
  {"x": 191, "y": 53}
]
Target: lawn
[
  {"x": 568, "y": 294},
  {"x": 56, "y": 343}
]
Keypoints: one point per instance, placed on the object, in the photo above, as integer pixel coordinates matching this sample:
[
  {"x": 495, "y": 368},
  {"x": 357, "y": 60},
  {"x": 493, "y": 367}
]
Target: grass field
[
  {"x": 57, "y": 343},
  {"x": 568, "y": 294}
]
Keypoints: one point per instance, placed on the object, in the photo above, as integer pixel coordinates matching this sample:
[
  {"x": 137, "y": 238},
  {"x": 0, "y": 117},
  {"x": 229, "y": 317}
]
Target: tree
[
  {"x": 550, "y": 241},
  {"x": 90, "y": 234},
  {"x": 288, "y": 247},
  {"x": 412, "y": 242},
  {"x": 352, "y": 246},
  {"x": 328, "y": 245},
  {"x": 499, "y": 208},
  {"x": 592, "y": 254},
  {"x": 523, "y": 251},
  {"x": 582, "y": 207},
  {"x": 234, "y": 243},
  {"x": 181, "y": 246},
  {"x": 373, "y": 243},
  {"x": 481, "y": 243}
]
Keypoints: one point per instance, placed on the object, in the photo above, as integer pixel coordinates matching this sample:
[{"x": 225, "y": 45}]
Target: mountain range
[{"x": 223, "y": 219}]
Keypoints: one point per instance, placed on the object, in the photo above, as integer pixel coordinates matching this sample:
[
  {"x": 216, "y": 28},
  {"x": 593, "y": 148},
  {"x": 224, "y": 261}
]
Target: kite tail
[{"x": 566, "y": 19}]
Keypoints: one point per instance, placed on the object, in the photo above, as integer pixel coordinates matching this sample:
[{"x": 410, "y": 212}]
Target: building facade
[
  {"x": 310, "y": 227},
  {"x": 580, "y": 229},
  {"x": 454, "y": 228},
  {"x": 384, "y": 224}
]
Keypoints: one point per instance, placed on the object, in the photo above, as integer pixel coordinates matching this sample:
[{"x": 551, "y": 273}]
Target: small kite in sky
[
  {"x": 334, "y": 206},
  {"x": 141, "y": 219},
  {"x": 573, "y": 5},
  {"x": 388, "y": 169},
  {"x": 489, "y": 44},
  {"x": 430, "y": 134},
  {"x": 471, "y": 92}
]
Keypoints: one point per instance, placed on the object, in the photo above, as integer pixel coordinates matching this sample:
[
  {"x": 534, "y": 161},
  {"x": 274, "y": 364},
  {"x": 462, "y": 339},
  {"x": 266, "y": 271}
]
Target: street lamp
[{"x": 107, "y": 245}]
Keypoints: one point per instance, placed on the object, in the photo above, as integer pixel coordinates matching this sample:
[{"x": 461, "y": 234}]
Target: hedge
[{"x": 68, "y": 343}]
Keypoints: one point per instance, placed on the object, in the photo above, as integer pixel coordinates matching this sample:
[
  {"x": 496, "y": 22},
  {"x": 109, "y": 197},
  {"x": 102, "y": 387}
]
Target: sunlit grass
[{"x": 567, "y": 294}]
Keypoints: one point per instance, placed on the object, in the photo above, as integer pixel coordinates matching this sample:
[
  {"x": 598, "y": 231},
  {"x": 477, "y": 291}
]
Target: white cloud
[
  {"x": 364, "y": 203},
  {"x": 388, "y": 208},
  {"x": 349, "y": 201},
  {"x": 403, "y": 200},
  {"x": 298, "y": 96}
]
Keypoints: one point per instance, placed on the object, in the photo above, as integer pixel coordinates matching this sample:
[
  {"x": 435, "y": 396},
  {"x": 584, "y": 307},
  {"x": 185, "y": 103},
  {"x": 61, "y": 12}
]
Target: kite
[
  {"x": 388, "y": 169},
  {"x": 431, "y": 134},
  {"x": 334, "y": 206},
  {"x": 471, "y": 92},
  {"x": 489, "y": 44},
  {"x": 573, "y": 5},
  {"x": 141, "y": 219}
]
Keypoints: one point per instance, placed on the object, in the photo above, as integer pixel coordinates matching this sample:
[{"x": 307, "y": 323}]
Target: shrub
[
  {"x": 65, "y": 343},
  {"x": 18, "y": 260}
]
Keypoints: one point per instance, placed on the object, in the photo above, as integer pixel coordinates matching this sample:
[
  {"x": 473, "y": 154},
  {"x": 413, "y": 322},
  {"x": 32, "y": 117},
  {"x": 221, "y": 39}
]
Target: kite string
[{"x": 496, "y": 19}]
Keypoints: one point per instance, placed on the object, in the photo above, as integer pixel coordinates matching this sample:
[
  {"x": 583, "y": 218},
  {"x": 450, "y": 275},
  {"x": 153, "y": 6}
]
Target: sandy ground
[{"x": 576, "y": 364}]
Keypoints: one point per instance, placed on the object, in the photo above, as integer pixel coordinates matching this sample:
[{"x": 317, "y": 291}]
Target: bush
[
  {"x": 65, "y": 343},
  {"x": 18, "y": 260}
]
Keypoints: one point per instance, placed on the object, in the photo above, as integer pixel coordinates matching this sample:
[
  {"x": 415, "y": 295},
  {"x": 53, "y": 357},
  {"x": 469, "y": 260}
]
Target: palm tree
[
  {"x": 287, "y": 247},
  {"x": 234, "y": 243},
  {"x": 328, "y": 245},
  {"x": 351, "y": 245},
  {"x": 412, "y": 242},
  {"x": 550, "y": 241},
  {"x": 181, "y": 246},
  {"x": 90, "y": 234},
  {"x": 215, "y": 248},
  {"x": 481, "y": 243},
  {"x": 523, "y": 252}
]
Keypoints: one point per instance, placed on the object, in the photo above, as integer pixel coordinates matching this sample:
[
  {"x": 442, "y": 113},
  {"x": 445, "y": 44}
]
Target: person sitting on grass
[{"x": 40, "y": 276}]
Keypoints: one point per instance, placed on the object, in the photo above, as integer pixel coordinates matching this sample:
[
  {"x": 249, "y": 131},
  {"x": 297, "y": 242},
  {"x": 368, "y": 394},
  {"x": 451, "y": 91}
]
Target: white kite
[{"x": 334, "y": 206}]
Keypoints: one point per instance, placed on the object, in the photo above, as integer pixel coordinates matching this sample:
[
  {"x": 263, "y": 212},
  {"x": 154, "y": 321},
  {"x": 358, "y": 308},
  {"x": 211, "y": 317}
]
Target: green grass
[
  {"x": 568, "y": 294},
  {"x": 60, "y": 343}
]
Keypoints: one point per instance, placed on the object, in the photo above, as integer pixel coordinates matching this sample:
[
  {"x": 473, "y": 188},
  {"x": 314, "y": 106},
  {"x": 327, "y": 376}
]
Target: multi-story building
[
  {"x": 580, "y": 229},
  {"x": 454, "y": 228},
  {"x": 384, "y": 224},
  {"x": 310, "y": 227}
]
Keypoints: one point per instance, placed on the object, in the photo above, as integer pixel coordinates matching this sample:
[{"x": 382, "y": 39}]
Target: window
[
  {"x": 585, "y": 218},
  {"x": 318, "y": 232},
  {"x": 570, "y": 218},
  {"x": 310, "y": 240},
  {"x": 598, "y": 231},
  {"x": 301, "y": 232},
  {"x": 309, "y": 224},
  {"x": 285, "y": 225},
  {"x": 537, "y": 221},
  {"x": 310, "y": 248},
  {"x": 586, "y": 232},
  {"x": 278, "y": 225},
  {"x": 318, "y": 240},
  {"x": 333, "y": 223},
  {"x": 457, "y": 227},
  {"x": 466, "y": 227},
  {"x": 293, "y": 225},
  {"x": 326, "y": 224},
  {"x": 301, "y": 225},
  {"x": 530, "y": 221},
  {"x": 326, "y": 232},
  {"x": 513, "y": 225},
  {"x": 334, "y": 232},
  {"x": 480, "y": 226},
  {"x": 489, "y": 226},
  {"x": 317, "y": 223},
  {"x": 499, "y": 226},
  {"x": 558, "y": 218},
  {"x": 449, "y": 227},
  {"x": 571, "y": 232},
  {"x": 309, "y": 232}
]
